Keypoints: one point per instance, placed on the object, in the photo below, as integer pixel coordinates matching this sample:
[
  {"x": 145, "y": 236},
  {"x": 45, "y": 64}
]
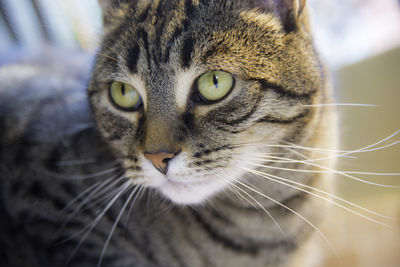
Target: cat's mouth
[
  {"x": 178, "y": 185},
  {"x": 181, "y": 184}
]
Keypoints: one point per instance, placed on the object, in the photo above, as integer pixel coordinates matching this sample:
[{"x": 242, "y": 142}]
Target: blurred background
[{"x": 360, "y": 42}]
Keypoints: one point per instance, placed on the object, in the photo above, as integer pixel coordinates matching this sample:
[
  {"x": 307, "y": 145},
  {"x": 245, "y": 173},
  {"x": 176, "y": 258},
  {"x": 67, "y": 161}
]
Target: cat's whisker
[
  {"x": 341, "y": 105},
  {"x": 76, "y": 176},
  {"x": 122, "y": 189},
  {"x": 368, "y": 148},
  {"x": 328, "y": 156},
  {"x": 107, "y": 56},
  {"x": 134, "y": 190},
  {"x": 96, "y": 185},
  {"x": 73, "y": 201},
  {"x": 139, "y": 193},
  {"x": 274, "y": 159},
  {"x": 292, "y": 151},
  {"x": 75, "y": 162},
  {"x": 239, "y": 196},
  {"x": 345, "y": 154},
  {"x": 165, "y": 205},
  {"x": 270, "y": 159},
  {"x": 79, "y": 127},
  {"x": 297, "y": 153},
  {"x": 237, "y": 193},
  {"x": 79, "y": 208},
  {"x": 332, "y": 171},
  {"x": 231, "y": 186},
  {"x": 259, "y": 205},
  {"x": 293, "y": 211},
  {"x": 97, "y": 191},
  {"x": 101, "y": 199},
  {"x": 292, "y": 184},
  {"x": 338, "y": 152}
]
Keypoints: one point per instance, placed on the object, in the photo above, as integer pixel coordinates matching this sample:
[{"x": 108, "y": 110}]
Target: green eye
[
  {"x": 125, "y": 96},
  {"x": 214, "y": 85}
]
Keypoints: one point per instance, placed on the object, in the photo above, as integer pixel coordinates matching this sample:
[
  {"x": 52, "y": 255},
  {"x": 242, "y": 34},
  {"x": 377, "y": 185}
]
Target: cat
[{"x": 182, "y": 151}]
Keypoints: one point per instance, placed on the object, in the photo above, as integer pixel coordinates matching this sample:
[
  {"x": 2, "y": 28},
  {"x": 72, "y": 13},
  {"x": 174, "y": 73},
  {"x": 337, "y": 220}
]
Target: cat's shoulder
[
  {"x": 43, "y": 96},
  {"x": 44, "y": 110}
]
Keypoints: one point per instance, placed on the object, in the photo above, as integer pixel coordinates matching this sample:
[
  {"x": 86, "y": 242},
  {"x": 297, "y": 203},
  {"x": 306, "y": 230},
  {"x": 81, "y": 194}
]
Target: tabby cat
[{"x": 182, "y": 151}]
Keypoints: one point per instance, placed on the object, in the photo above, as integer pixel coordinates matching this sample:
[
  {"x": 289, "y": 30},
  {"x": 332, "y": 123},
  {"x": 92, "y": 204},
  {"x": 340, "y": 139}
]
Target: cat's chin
[{"x": 190, "y": 193}]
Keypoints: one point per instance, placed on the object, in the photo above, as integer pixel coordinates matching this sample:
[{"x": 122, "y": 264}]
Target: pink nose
[{"x": 160, "y": 160}]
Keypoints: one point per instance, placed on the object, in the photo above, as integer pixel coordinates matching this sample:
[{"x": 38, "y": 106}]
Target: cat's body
[{"x": 48, "y": 134}]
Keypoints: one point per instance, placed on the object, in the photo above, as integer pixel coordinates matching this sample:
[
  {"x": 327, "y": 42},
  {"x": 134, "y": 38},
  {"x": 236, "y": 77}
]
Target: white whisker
[
  {"x": 141, "y": 189},
  {"x": 90, "y": 226},
  {"x": 93, "y": 192},
  {"x": 134, "y": 190},
  {"x": 78, "y": 176},
  {"x": 328, "y": 171},
  {"x": 93, "y": 195},
  {"x": 294, "y": 212},
  {"x": 75, "y": 162},
  {"x": 96, "y": 193},
  {"x": 241, "y": 197},
  {"x": 259, "y": 204},
  {"x": 289, "y": 160},
  {"x": 326, "y": 151},
  {"x": 341, "y": 105},
  {"x": 287, "y": 181},
  {"x": 79, "y": 196},
  {"x": 368, "y": 148}
]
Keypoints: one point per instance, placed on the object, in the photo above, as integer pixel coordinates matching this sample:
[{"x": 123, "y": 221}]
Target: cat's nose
[{"x": 160, "y": 159}]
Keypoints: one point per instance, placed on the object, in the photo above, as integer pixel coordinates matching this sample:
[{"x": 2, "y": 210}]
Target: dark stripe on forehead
[
  {"x": 189, "y": 9},
  {"x": 142, "y": 17},
  {"x": 186, "y": 53},
  {"x": 132, "y": 58},
  {"x": 159, "y": 24},
  {"x": 159, "y": 9},
  {"x": 142, "y": 34},
  {"x": 158, "y": 47},
  {"x": 177, "y": 33}
]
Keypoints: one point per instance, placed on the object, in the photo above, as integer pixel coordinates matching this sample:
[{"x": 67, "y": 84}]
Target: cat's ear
[{"x": 289, "y": 11}]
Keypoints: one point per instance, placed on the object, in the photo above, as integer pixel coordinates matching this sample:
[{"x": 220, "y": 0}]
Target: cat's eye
[
  {"x": 214, "y": 85},
  {"x": 125, "y": 96}
]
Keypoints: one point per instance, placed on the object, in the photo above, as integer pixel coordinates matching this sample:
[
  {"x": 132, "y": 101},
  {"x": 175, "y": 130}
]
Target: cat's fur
[{"x": 187, "y": 217}]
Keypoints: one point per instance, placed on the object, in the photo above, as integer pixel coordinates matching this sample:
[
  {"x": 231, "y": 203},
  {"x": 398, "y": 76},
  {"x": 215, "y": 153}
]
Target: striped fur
[{"x": 187, "y": 217}]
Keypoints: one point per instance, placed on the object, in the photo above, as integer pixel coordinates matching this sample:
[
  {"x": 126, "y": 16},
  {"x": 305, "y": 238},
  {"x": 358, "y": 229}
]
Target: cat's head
[{"x": 187, "y": 93}]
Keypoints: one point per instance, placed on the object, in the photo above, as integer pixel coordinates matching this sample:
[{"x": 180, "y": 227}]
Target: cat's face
[{"x": 188, "y": 93}]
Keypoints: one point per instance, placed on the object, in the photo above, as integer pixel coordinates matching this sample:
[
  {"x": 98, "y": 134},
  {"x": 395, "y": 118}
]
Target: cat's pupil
[
  {"x": 215, "y": 80},
  {"x": 123, "y": 89}
]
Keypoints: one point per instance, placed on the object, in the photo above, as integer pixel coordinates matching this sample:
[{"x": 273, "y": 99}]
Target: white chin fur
[
  {"x": 190, "y": 193},
  {"x": 180, "y": 187}
]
